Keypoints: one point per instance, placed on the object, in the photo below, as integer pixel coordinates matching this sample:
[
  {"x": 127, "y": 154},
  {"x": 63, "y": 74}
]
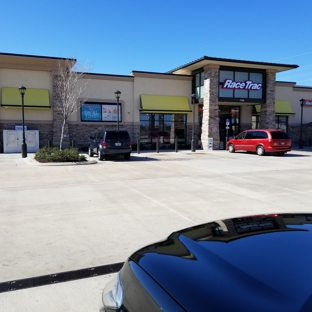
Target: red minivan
[{"x": 261, "y": 141}]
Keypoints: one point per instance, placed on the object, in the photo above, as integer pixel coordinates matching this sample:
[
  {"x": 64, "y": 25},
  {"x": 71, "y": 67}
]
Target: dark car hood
[{"x": 259, "y": 263}]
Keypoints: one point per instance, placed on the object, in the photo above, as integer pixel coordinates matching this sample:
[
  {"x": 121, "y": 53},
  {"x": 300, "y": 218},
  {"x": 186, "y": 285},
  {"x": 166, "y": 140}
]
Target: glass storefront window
[
  {"x": 199, "y": 85},
  {"x": 232, "y": 114},
  {"x": 163, "y": 126},
  {"x": 281, "y": 122}
]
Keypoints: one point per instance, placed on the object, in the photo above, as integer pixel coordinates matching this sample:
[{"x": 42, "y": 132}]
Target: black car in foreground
[{"x": 255, "y": 263}]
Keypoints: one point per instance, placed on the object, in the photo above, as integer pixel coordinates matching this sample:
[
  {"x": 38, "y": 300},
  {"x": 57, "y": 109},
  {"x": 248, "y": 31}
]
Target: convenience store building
[{"x": 243, "y": 94}]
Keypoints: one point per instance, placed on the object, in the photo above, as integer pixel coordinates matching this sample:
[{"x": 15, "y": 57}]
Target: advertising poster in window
[
  {"x": 109, "y": 112},
  {"x": 91, "y": 112}
]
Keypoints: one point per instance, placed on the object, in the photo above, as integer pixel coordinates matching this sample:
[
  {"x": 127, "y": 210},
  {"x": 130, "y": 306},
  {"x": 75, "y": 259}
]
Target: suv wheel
[
  {"x": 231, "y": 148},
  {"x": 127, "y": 156},
  {"x": 260, "y": 150},
  {"x": 90, "y": 153},
  {"x": 100, "y": 156}
]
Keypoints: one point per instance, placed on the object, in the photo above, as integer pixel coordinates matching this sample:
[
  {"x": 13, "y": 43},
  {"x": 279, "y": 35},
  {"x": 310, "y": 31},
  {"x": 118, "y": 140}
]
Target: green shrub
[{"x": 54, "y": 154}]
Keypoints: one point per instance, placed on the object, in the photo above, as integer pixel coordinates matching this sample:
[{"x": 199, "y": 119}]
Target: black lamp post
[
  {"x": 117, "y": 94},
  {"x": 22, "y": 91},
  {"x": 193, "y": 123},
  {"x": 300, "y": 139}
]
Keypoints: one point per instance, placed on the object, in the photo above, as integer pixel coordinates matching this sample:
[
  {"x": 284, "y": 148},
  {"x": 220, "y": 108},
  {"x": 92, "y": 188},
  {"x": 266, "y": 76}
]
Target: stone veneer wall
[
  {"x": 80, "y": 132},
  {"x": 210, "y": 124},
  {"x": 294, "y": 133},
  {"x": 267, "y": 114}
]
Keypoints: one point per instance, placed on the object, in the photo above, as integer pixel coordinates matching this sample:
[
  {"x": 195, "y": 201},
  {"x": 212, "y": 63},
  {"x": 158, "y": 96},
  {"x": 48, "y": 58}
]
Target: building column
[
  {"x": 210, "y": 123},
  {"x": 58, "y": 118},
  {"x": 267, "y": 114}
]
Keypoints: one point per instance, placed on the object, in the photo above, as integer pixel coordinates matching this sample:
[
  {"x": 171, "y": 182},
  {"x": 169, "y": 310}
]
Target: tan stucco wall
[
  {"x": 13, "y": 78},
  {"x": 103, "y": 90},
  {"x": 289, "y": 92},
  {"x": 161, "y": 85}
]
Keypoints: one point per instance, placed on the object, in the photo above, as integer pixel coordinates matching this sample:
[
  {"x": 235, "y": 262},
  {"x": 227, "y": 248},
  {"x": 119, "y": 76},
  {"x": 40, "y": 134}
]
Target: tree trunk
[{"x": 62, "y": 133}]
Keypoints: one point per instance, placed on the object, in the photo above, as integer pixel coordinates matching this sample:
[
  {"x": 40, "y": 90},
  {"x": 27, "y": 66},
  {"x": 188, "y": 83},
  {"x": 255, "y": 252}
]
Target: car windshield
[
  {"x": 279, "y": 135},
  {"x": 241, "y": 135}
]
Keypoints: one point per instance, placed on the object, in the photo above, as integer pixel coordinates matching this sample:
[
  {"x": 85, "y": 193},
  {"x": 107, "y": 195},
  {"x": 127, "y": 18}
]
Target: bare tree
[{"x": 70, "y": 85}]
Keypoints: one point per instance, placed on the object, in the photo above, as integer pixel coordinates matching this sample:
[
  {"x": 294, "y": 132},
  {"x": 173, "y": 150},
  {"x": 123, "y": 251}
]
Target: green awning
[
  {"x": 163, "y": 104},
  {"x": 33, "y": 98},
  {"x": 282, "y": 108}
]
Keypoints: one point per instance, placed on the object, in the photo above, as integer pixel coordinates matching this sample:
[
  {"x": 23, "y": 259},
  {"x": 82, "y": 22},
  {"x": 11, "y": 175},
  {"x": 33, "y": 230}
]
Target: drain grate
[{"x": 59, "y": 277}]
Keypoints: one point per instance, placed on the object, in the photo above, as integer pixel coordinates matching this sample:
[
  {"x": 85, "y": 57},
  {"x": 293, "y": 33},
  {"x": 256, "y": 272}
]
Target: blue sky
[{"x": 118, "y": 36}]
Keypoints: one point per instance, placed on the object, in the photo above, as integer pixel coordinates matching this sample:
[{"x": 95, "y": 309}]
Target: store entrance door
[{"x": 232, "y": 115}]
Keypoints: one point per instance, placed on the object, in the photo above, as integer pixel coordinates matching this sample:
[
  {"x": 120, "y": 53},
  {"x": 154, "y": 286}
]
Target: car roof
[
  {"x": 271, "y": 130},
  {"x": 256, "y": 263}
]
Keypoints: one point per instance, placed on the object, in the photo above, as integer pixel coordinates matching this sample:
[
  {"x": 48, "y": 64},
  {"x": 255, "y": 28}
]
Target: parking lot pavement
[
  {"x": 57, "y": 218},
  {"x": 81, "y": 295}
]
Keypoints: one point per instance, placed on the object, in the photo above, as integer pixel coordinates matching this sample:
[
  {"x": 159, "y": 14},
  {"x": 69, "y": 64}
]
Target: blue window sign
[{"x": 91, "y": 112}]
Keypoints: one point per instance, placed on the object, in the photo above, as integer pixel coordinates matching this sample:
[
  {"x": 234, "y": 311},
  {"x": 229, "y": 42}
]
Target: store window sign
[
  {"x": 91, "y": 112},
  {"x": 245, "y": 85},
  {"x": 100, "y": 112}
]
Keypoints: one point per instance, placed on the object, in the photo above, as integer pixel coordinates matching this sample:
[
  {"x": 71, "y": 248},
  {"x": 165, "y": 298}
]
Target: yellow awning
[
  {"x": 282, "y": 108},
  {"x": 33, "y": 98},
  {"x": 157, "y": 104}
]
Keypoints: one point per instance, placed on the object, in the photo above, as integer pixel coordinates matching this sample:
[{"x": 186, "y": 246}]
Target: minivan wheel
[
  {"x": 100, "y": 156},
  {"x": 231, "y": 148},
  {"x": 127, "y": 156},
  {"x": 260, "y": 150},
  {"x": 90, "y": 153}
]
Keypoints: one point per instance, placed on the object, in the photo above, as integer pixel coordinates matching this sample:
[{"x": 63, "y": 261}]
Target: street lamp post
[
  {"x": 300, "y": 139},
  {"x": 193, "y": 123},
  {"x": 22, "y": 91},
  {"x": 117, "y": 94}
]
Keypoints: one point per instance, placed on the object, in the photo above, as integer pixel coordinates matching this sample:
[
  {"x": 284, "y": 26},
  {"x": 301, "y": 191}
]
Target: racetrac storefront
[
  {"x": 216, "y": 97},
  {"x": 227, "y": 92}
]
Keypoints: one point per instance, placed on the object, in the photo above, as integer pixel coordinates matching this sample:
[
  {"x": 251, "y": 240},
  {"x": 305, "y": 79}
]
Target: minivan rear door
[{"x": 280, "y": 139}]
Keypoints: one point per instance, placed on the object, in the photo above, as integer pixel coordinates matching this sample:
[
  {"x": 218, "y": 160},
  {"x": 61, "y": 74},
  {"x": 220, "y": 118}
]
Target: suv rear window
[
  {"x": 279, "y": 135},
  {"x": 118, "y": 135}
]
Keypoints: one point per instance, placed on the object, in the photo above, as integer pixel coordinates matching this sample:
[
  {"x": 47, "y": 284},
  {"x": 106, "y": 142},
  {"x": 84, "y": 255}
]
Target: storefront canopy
[
  {"x": 163, "y": 104},
  {"x": 33, "y": 98},
  {"x": 282, "y": 108}
]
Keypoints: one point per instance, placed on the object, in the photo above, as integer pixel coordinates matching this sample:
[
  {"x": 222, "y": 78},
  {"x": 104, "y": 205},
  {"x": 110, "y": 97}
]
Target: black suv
[{"x": 110, "y": 143}]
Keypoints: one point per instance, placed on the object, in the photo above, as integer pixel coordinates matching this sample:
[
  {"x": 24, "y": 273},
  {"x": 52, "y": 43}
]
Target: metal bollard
[
  {"x": 157, "y": 145},
  {"x": 138, "y": 146},
  {"x": 176, "y": 145}
]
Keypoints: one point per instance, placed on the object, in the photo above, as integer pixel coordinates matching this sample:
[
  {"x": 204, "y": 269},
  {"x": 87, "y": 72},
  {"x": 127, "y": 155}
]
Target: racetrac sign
[
  {"x": 307, "y": 103},
  {"x": 245, "y": 85}
]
